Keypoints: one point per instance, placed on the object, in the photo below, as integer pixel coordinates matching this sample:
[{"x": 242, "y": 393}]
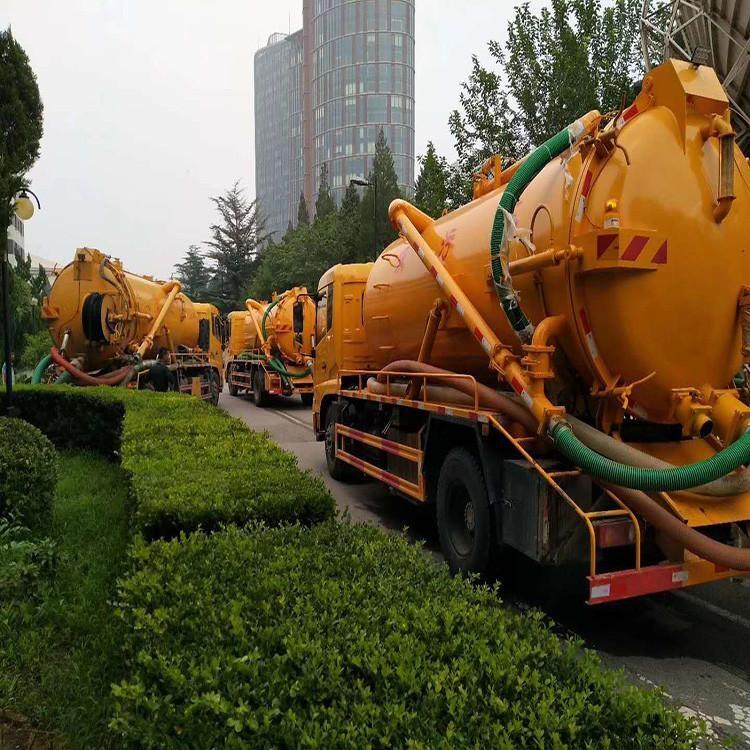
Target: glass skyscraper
[{"x": 351, "y": 68}]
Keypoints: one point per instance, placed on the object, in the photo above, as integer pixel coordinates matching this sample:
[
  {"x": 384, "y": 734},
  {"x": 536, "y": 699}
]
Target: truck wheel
[
  {"x": 338, "y": 469},
  {"x": 233, "y": 389},
  {"x": 213, "y": 387},
  {"x": 307, "y": 399},
  {"x": 260, "y": 396},
  {"x": 464, "y": 519}
]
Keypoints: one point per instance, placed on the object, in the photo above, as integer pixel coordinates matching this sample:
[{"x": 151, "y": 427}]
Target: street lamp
[
  {"x": 374, "y": 185},
  {"x": 24, "y": 209}
]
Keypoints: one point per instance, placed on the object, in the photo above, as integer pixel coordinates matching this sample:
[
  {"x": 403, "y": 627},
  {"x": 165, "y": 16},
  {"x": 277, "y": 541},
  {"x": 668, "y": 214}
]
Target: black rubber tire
[
  {"x": 338, "y": 469},
  {"x": 233, "y": 389},
  {"x": 213, "y": 385},
  {"x": 260, "y": 395},
  {"x": 307, "y": 399},
  {"x": 464, "y": 516}
]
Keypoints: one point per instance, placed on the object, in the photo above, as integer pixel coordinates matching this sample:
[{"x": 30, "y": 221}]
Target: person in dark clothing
[{"x": 160, "y": 375}]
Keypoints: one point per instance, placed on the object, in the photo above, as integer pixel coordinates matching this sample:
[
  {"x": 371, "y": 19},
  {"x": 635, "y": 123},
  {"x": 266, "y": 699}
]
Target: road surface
[{"x": 695, "y": 643}]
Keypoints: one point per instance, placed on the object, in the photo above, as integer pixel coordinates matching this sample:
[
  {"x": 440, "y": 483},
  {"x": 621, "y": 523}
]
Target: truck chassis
[
  {"x": 252, "y": 373},
  {"x": 493, "y": 488}
]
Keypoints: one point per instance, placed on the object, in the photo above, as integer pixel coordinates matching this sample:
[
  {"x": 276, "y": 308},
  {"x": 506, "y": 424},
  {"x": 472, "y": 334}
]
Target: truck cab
[{"x": 340, "y": 342}]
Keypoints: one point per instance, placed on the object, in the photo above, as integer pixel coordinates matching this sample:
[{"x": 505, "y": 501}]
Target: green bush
[
  {"x": 35, "y": 346},
  {"x": 190, "y": 464},
  {"x": 28, "y": 473},
  {"x": 193, "y": 466},
  {"x": 24, "y": 561},
  {"x": 340, "y": 637},
  {"x": 78, "y": 419}
]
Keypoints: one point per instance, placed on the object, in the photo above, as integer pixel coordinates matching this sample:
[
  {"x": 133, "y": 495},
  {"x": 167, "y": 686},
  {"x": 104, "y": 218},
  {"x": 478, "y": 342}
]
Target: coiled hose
[
  {"x": 650, "y": 480},
  {"x": 529, "y": 169},
  {"x": 113, "y": 378}
]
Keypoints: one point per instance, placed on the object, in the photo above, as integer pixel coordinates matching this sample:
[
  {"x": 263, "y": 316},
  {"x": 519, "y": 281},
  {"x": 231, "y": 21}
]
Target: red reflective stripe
[
  {"x": 587, "y": 183},
  {"x": 603, "y": 243},
  {"x": 516, "y": 385},
  {"x": 630, "y": 112},
  {"x": 585, "y": 321},
  {"x": 454, "y": 301},
  {"x": 627, "y": 584},
  {"x": 478, "y": 335},
  {"x": 433, "y": 271},
  {"x": 635, "y": 248},
  {"x": 661, "y": 254}
]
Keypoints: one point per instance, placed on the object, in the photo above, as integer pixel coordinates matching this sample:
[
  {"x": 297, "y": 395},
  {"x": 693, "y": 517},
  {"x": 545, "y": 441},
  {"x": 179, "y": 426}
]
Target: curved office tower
[
  {"x": 321, "y": 96},
  {"x": 361, "y": 56}
]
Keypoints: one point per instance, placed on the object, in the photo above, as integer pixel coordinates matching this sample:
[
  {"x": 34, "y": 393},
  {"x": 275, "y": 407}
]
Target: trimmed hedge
[
  {"x": 191, "y": 465},
  {"x": 339, "y": 636},
  {"x": 28, "y": 474},
  {"x": 76, "y": 419}
]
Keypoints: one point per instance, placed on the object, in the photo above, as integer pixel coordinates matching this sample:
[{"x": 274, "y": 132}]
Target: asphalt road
[{"x": 695, "y": 644}]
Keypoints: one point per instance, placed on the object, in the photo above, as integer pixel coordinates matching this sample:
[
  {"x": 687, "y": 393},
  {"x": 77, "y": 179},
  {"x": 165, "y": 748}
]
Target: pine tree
[
  {"x": 303, "y": 216},
  {"x": 350, "y": 220},
  {"x": 431, "y": 189},
  {"x": 324, "y": 205},
  {"x": 193, "y": 274},
  {"x": 377, "y": 231},
  {"x": 234, "y": 247}
]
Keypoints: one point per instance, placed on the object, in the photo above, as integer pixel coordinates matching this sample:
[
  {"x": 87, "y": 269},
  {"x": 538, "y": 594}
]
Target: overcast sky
[{"x": 148, "y": 110}]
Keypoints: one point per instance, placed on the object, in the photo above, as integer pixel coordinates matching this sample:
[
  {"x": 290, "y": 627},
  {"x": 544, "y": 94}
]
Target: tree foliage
[
  {"x": 431, "y": 189},
  {"x": 303, "y": 215},
  {"x": 20, "y": 122},
  {"x": 324, "y": 205},
  {"x": 193, "y": 273},
  {"x": 234, "y": 247},
  {"x": 376, "y": 229},
  {"x": 557, "y": 64}
]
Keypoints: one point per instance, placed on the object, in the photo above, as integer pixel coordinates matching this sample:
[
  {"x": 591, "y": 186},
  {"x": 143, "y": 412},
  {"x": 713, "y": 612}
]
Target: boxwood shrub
[
  {"x": 191, "y": 465},
  {"x": 338, "y": 636},
  {"x": 28, "y": 474}
]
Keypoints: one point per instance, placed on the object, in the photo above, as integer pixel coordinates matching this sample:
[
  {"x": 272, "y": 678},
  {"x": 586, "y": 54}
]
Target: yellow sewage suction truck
[
  {"x": 270, "y": 347},
  {"x": 112, "y": 327},
  {"x": 559, "y": 366}
]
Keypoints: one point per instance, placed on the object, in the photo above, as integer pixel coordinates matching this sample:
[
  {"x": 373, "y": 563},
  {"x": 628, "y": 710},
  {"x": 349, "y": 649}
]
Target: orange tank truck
[
  {"x": 110, "y": 327},
  {"x": 559, "y": 366},
  {"x": 270, "y": 348}
]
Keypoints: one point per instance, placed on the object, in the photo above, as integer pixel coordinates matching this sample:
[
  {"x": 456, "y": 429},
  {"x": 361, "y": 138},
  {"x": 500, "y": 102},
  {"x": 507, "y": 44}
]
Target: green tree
[
  {"x": 234, "y": 247},
  {"x": 557, "y": 64},
  {"x": 303, "y": 215},
  {"x": 193, "y": 273},
  {"x": 377, "y": 231},
  {"x": 574, "y": 56},
  {"x": 324, "y": 205},
  {"x": 21, "y": 129},
  {"x": 350, "y": 226},
  {"x": 431, "y": 189}
]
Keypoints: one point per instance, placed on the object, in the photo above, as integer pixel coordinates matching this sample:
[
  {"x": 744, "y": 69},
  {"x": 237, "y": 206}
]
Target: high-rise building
[
  {"x": 323, "y": 93},
  {"x": 16, "y": 252}
]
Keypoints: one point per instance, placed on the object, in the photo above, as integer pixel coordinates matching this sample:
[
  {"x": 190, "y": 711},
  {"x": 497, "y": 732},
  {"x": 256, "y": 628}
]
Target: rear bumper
[{"x": 627, "y": 584}]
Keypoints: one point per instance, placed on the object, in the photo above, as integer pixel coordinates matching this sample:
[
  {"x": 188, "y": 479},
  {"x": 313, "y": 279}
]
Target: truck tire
[
  {"x": 307, "y": 399},
  {"x": 464, "y": 517},
  {"x": 213, "y": 386},
  {"x": 233, "y": 389},
  {"x": 338, "y": 469},
  {"x": 260, "y": 395}
]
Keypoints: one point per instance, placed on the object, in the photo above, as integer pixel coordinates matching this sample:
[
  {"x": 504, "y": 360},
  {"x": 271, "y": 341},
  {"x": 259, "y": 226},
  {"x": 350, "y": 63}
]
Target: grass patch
[
  {"x": 60, "y": 643},
  {"x": 341, "y": 637}
]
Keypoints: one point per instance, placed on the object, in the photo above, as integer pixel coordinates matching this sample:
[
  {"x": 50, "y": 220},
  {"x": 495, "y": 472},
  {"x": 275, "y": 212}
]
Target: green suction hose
[
  {"x": 529, "y": 169},
  {"x": 266, "y": 313},
  {"x": 650, "y": 480},
  {"x": 276, "y": 364},
  {"x": 40, "y": 369}
]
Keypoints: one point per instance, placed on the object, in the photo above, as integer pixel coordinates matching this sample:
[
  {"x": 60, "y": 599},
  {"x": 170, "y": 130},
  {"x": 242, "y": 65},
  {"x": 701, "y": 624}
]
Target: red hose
[
  {"x": 724, "y": 555},
  {"x": 488, "y": 398},
  {"x": 113, "y": 378}
]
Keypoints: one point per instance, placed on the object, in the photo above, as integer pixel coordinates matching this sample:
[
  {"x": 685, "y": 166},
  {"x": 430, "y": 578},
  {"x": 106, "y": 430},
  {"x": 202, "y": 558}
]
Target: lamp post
[
  {"x": 374, "y": 185},
  {"x": 24, "y": 209}
]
